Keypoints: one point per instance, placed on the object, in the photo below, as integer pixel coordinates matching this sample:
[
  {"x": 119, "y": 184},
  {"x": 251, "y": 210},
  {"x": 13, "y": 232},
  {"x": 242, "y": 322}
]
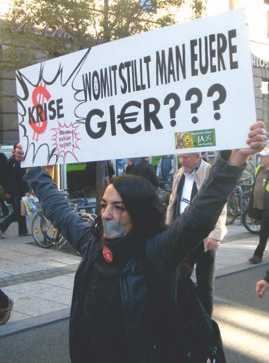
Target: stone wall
[
  {"x": 8, "y": 109},
  {"x": 261, "y": 73}
]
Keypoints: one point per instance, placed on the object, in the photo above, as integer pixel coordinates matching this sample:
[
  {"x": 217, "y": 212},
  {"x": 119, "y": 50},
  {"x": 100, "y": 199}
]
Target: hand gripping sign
[{"x": 182, "y": 88}]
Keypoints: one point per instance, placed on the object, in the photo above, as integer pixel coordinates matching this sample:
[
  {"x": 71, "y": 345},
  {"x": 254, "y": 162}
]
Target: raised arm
[
  {"x": 199, "y": 219},
  {"x": 57, "y": 210}
]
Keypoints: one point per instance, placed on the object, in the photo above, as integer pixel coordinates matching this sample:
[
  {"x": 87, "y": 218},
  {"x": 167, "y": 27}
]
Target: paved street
[
  {"x": 40, "y": 282},
  {"x": 243, "y": 319}
]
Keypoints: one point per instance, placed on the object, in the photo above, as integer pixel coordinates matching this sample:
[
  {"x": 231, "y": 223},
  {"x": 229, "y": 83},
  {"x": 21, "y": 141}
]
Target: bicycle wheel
[
  {"x": 40, "y": 227},
  {"x": 251, "y": 224},
  {"x": 233, "y": 209}
]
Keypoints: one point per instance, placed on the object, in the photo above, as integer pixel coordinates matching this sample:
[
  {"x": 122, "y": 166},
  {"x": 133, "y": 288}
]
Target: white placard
[{"x": 182, "y": 88}]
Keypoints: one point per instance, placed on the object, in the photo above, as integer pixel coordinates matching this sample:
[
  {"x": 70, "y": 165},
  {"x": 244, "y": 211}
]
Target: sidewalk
[
  {"x": 234, "y": 252},
  {"x": 40, "y": 281}
]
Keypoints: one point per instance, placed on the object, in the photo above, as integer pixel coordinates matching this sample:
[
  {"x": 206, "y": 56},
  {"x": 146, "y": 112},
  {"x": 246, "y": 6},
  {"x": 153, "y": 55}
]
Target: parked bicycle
[
  {"x": 237, "y": 206},
  {"x": 46, "y": 235},
  {"x": 251, "y": 224}
]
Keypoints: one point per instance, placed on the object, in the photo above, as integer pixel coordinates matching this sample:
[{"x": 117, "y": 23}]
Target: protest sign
[{"x": 182, "y": 88}]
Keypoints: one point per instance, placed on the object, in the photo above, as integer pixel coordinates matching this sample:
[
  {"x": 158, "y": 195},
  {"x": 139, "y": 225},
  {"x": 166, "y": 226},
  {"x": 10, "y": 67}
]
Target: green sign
[
  {"x": 192, "y": 139},
  {"x": 76, "y": 167}
]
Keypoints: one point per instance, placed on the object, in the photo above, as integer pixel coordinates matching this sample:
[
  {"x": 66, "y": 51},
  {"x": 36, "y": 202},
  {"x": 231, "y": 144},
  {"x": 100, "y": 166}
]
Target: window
[{"x": 264, "y": 87}]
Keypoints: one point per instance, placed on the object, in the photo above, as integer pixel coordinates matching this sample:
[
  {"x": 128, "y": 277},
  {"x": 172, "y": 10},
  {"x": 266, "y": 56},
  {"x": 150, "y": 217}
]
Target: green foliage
[
  {"x": 198, "y": 7},
  {"x": 47, "y": 28}
]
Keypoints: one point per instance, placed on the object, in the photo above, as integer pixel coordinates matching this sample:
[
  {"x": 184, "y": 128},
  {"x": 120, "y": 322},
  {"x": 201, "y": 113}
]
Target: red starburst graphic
[{"x": 65, "y": 138}]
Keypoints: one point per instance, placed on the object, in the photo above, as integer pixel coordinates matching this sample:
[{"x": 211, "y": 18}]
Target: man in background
[
  {"x": 142, "y": 167},
  {"x": 186, "y": 184},
  {"x": 16, "y": 189},
  {"x": 4, "y": 181},
  {"x": 166, "y": 170},
  {"x": 259, "y": 205}
]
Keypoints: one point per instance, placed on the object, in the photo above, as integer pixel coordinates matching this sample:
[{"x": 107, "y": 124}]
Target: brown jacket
[{"x": 200, "y": 176}]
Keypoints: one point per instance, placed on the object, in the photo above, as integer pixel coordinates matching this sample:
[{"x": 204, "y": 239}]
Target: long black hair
[{"x": 142, "y": 203}]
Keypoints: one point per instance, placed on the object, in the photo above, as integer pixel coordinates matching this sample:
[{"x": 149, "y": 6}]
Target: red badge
[{"x": 107, "y": 254}]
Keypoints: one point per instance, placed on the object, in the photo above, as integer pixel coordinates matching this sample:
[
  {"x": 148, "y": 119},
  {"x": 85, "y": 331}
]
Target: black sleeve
[
  {"x": 57, "y": 210},
  {"x": 198, "y": 220}
]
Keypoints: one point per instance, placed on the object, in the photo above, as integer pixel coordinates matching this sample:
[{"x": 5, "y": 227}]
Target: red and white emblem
[{"x": 107, "y": 254}]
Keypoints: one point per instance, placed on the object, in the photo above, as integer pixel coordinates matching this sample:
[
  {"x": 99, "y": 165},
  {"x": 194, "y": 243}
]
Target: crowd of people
[
  {"x": 133, "y": 292},
  {"x": 13, "y": 188},
  {"x": 187, "y": 182},
  {"x": 259, "y": 204}
]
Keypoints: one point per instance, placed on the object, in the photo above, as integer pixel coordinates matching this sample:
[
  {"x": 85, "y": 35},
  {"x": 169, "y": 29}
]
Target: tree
[
  {"x": 42, "y": 29},
  {"x": 52, "y": 28}
]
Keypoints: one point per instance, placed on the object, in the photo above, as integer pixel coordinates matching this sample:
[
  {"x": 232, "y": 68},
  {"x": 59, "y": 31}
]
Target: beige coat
[{"x": 200, "y": 175}]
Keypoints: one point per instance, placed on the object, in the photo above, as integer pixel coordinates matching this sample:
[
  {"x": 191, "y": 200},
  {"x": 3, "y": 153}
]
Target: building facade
[
  {"x": 8, "y": 108},
  {"x": 257, "y": 15}
]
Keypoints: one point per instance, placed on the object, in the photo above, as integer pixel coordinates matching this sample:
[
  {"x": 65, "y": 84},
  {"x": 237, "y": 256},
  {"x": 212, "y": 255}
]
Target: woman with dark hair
[
  {"x": 124, "y": 306},
  {"x": 142, "y": 203}
]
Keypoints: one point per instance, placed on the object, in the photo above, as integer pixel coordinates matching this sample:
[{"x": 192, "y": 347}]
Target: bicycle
[
  {"x": 251, "y": 224},
  {"x": 237, "y": 206},
  {"x": 238, "y": 201},
  {"x": 46, "y": 235},
  {"x": 234, "y": 204}
]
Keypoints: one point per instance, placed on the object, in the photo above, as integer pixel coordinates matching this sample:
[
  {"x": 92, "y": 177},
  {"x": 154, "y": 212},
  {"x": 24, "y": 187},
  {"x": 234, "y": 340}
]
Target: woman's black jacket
[{"x": 163, "y": 253}]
